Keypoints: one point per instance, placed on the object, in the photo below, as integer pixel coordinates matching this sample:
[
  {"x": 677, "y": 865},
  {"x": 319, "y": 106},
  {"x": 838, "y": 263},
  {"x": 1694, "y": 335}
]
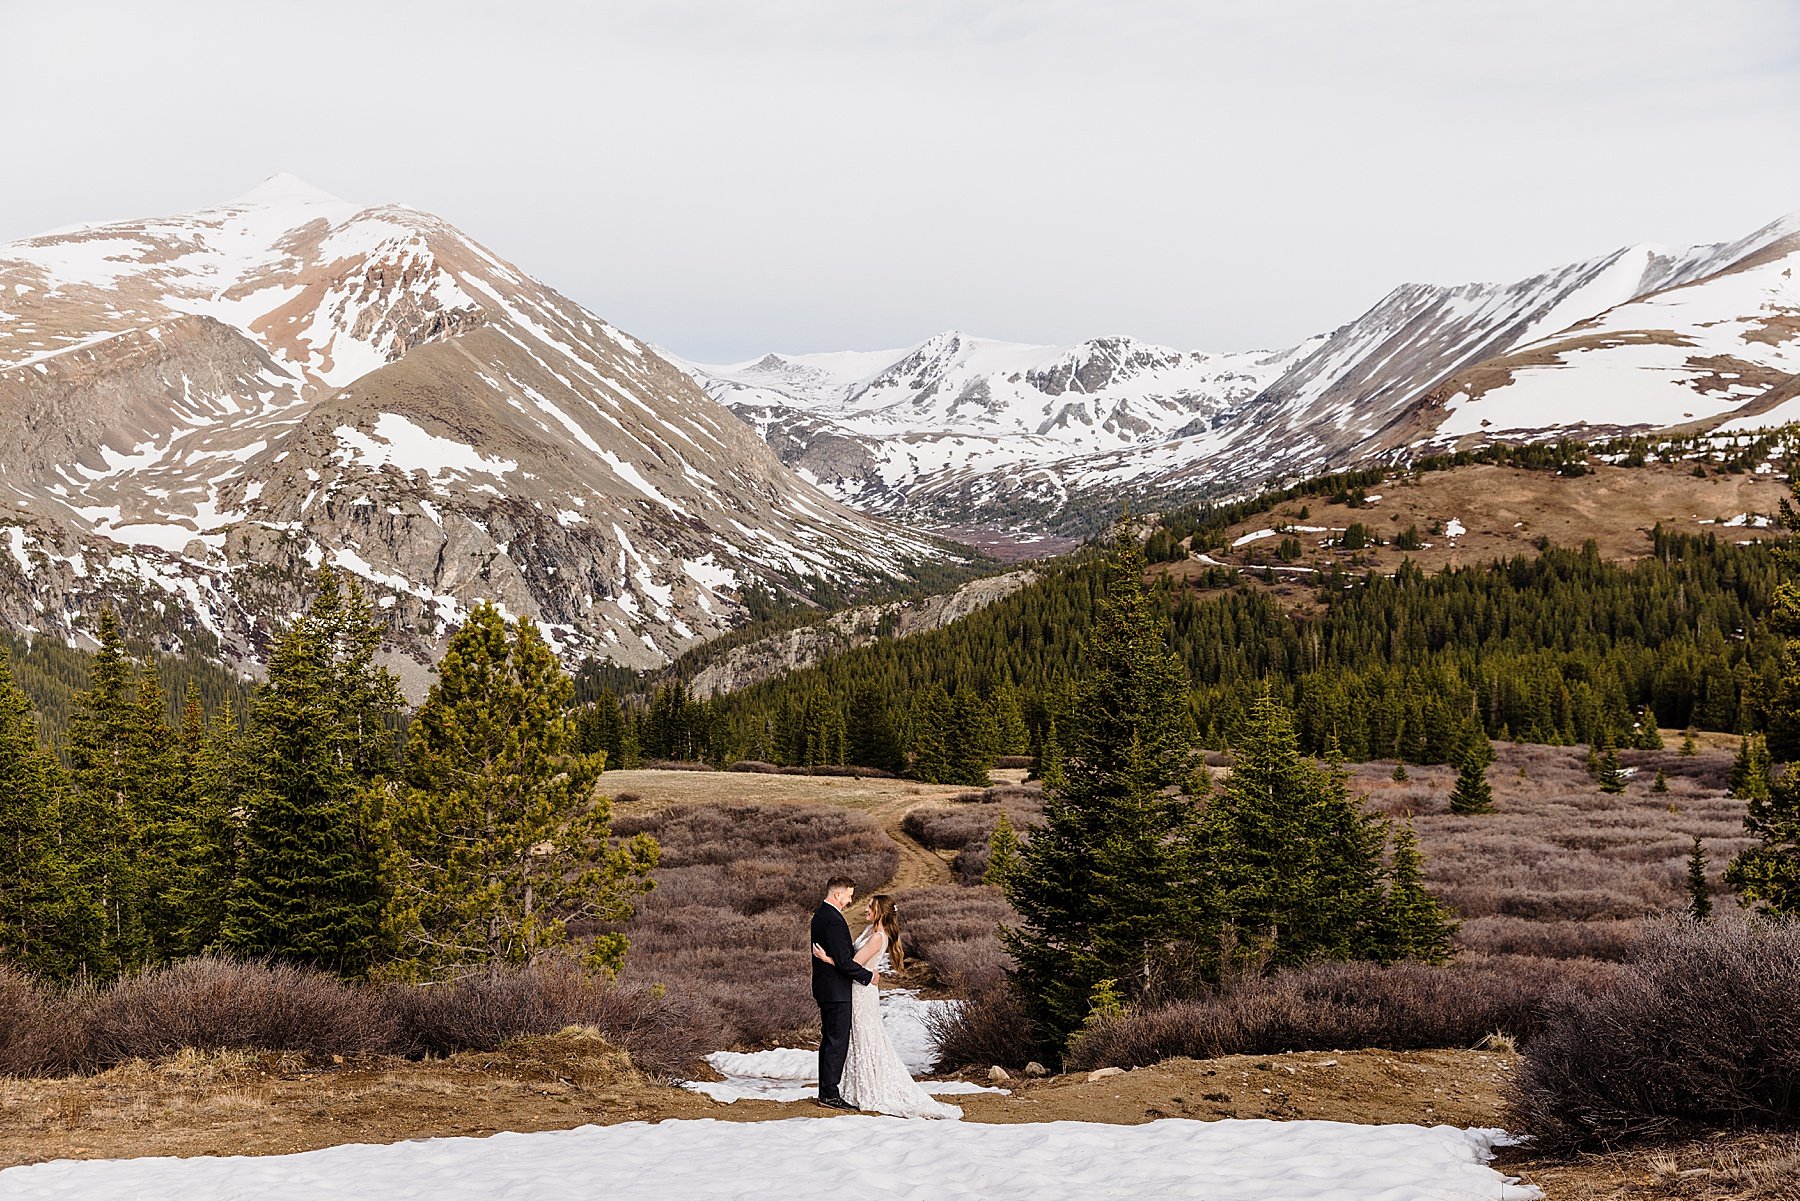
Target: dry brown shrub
[
  {"x": 45, "y": 1029},
  {"x": 214, "y": 1004},
  {"x": 1562, "y": 868},
  {"x": 754, "y": 765},
  {"x": 1700, "y": 1033},
  {"x": 957, "y": 930},
  {"x": 991, "y": 1027},
  {"x": 666, "y": 1032},
  {"x": 1344, "y": 1006},
  {"x": 727, "y": 922}
]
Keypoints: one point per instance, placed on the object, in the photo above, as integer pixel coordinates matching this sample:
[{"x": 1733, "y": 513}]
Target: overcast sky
[{"x": 726, "y": 177}]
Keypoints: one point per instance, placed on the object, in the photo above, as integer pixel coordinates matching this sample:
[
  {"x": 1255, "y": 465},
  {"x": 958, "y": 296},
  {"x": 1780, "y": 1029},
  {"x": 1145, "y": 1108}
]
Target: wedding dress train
[{"x": 874, "y": 1077}]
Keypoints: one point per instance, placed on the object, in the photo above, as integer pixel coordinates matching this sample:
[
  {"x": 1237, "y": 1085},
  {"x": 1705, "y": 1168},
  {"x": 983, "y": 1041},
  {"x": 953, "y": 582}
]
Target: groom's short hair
[{"x": 837, "y": 882}]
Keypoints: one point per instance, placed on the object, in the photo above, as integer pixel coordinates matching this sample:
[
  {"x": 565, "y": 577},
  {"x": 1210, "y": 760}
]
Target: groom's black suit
[{"x": 831, "y": 989}]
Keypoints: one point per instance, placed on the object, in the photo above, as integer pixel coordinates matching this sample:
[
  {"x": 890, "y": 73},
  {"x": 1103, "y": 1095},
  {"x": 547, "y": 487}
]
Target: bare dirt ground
[
  {"x": 242, "y": 1104},
  {"x": 1504, "y": 511}
]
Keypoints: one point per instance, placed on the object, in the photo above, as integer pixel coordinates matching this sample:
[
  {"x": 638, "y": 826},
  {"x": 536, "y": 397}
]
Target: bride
[{"x": 874, "y": 1077}]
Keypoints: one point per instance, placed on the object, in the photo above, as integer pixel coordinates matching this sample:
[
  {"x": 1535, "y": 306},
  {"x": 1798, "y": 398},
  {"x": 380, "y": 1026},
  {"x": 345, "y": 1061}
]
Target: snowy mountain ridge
[
  {"x": 196, "y": 410},
  {"x": 969, "y": 429}
]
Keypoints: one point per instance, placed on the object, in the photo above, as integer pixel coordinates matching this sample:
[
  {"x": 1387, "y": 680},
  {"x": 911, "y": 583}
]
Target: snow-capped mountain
[
  {"x": 196, "y": 410},
  {"x": 1644, "y": 337},
  {"x": 884, "y": 428}
]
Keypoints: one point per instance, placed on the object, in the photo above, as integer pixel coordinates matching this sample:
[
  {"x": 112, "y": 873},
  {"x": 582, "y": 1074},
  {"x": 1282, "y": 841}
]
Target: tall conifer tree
[
  {"x": 1292, "y": 863},
  {"x": 317, "y": 754},
  {"x": 1472, "y": 793},
  {"x": 1104, "y": 888},
  {"x": 499, "y": 837},
  {"x": 33, "y": 874},
  {"x": 120, "y": 766}
]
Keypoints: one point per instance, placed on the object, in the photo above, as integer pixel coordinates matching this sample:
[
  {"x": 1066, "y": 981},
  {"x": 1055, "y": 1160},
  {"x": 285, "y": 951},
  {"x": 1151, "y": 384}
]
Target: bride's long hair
[{"x": 886, "y": 914}]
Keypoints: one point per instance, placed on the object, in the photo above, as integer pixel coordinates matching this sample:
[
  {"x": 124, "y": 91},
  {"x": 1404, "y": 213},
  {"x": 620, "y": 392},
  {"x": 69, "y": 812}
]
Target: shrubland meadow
[{"x": 1132, "y": 816}]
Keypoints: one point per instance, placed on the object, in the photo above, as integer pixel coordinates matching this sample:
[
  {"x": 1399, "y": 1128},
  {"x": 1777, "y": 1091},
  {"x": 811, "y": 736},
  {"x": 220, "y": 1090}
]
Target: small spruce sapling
[
  {"x": 1472, "y": 793},
  {"x": 1699, "y": 898},
  {"x": 1003, "y": 854}
]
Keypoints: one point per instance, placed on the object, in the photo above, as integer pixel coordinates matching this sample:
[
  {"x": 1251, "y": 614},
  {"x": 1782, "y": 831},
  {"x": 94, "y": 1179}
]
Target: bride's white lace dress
[{"x": 874, "y": 1077}]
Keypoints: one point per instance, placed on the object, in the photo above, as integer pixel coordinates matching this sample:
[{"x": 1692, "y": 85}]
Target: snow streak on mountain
[
  {"x": 960, "y": 428},
  {"x": 196, "y": 410}
]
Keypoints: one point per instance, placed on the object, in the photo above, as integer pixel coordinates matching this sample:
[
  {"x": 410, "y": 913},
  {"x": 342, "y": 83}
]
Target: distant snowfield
[{"x": 1234, "y": 1160}]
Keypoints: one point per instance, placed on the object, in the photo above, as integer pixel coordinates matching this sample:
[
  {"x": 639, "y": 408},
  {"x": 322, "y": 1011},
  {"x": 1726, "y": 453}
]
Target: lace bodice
[{"x": 880, "y": 962}]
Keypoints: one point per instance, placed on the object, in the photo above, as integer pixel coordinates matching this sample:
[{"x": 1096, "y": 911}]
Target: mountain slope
[
  {"x": 1644, "y": 337},
  {"x": 884, "y": 430},
  {"x": 197, "y": 409}
]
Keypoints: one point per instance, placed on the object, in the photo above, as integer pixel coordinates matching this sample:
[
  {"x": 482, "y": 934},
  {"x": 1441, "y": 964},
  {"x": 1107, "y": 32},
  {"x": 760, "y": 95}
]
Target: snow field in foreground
[{"x": 1232, "y": 1160}]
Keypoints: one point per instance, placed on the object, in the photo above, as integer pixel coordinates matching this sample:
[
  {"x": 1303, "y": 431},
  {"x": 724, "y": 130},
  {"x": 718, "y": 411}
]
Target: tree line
[
  {"x": 317, "y": 828},
  {"x": 1560, "y": 647}
]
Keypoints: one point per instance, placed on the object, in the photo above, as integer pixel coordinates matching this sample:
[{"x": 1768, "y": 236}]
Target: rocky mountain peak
[{"x": 196, "y": 410}]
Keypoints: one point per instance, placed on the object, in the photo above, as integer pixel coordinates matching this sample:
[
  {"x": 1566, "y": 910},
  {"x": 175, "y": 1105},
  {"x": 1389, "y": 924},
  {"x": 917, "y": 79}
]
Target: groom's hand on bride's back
[{"x": 819, "y": 954}]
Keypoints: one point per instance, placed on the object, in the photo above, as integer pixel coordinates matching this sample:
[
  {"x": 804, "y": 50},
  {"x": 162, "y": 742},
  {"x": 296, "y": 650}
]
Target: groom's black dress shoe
[{"x": 837, "y": 1103}]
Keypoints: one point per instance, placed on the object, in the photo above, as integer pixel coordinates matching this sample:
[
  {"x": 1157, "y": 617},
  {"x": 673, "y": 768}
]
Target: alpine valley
[
  {"x": 961, "y": 429},
  {"x": 197, "y": 411}
]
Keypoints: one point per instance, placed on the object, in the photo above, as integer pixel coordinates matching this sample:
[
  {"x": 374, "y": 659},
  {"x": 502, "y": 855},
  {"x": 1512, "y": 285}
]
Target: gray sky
[{"x": 726, "y": 177}]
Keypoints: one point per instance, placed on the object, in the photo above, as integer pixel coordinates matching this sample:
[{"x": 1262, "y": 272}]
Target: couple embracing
[{"x": 858, "y": 1066}]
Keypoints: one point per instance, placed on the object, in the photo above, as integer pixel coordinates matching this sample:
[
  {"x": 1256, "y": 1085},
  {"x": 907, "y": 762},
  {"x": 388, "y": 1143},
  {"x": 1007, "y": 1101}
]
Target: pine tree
[
  {"x": 972, "y": 740},
  {"x": 318, "y": 757},
  {"x": 874, "y": 740},
  {"x": 1011, "y": 737},
  {"x": 121, "y": 769},
  {"x": 605, "y": 726},
  {"x": 1414, "y": 924},
  {"x": 1649, "y": 738},
  {"x": 1003, "y": 854},
  {"x": 200, "y": 840},
  {"x": 33, "y": 883},
  {"x": 1400, "y": 771},
  {"x": 1472, "y": 793},
  {"x": 1748, "y": 779},
  {"x": 1699, "y": 898},
  {"x": 930, "y": 742},
  {"x": 1609, "y": 773},
  {"x": 1048, "y": 768},
  {"x": 1661, "y": 783},
  {"x": 1104, "y": 888},
  {"x": 1288, "y": 857},
  {"x": 1768, "y": 874},
  {"x": 1688, "y": 745},
  {"x": 500, "y": 842}
]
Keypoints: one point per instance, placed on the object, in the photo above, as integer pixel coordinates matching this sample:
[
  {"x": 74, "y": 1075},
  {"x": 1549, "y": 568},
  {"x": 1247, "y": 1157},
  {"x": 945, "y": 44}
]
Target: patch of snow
[
  {"x": 1254, "y": 536},
  {"x": 1231, "y": 1160},
  {"x": 399, "y": 441},
  {"x": 1454, "y": 528}
]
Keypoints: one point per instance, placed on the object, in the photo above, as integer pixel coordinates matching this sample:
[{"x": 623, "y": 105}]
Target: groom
[{"x": 831, "y": 986}]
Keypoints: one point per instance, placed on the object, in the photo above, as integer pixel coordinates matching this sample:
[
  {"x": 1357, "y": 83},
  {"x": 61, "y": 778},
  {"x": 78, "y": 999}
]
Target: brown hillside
[{"x": 1504, "y": 511}]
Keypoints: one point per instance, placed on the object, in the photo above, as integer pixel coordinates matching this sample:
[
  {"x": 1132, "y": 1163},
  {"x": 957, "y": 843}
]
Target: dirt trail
[
  {"x": 919, "y": 867},
  {"x": 888, "y": 801}
]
